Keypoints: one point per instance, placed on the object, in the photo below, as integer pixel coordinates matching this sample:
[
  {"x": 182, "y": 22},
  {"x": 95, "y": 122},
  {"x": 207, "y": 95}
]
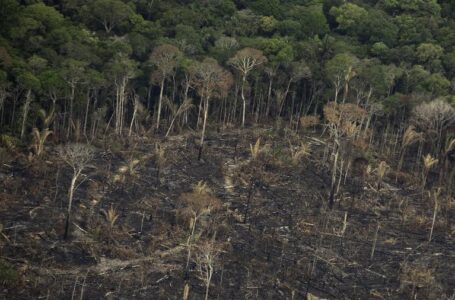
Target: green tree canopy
[
  {"x": 349, "y": 17},
  {"x": 109, "y": 13}
]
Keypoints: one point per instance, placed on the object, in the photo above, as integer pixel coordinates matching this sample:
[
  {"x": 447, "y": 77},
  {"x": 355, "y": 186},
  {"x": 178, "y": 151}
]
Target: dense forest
[
  {"x": 124, "y": 63},
  {"x": 237, "y": 149}
]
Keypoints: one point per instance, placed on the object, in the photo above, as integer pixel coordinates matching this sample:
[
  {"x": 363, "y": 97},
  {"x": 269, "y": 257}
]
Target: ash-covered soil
[{"x": 276, "y": 235}]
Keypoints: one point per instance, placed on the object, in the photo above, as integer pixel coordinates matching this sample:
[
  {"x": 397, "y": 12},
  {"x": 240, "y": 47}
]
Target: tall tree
[
  {"x": 244, "y": 62},
  {"x": 339, "y": 70},
  {"x": 210, "y": 78},
  {"x": 28, "y": 79},
  {"x": 73, "y": 72},
  {"x": 165, "y": 59},
  {"x": 121, "y": 69},
  {"x": 77, "y": 156}
]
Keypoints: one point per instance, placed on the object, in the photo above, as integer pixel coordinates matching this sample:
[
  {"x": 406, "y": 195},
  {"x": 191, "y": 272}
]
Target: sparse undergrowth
[{"x": 251, "y": 221}]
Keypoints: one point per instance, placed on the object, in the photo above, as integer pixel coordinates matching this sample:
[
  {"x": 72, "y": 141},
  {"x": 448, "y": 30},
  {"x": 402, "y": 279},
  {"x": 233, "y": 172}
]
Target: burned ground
[{"x": 286, "y": 244}]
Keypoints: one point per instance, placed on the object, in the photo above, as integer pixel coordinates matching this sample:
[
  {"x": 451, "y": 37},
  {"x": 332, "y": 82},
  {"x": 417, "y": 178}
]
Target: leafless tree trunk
[
  {"x": 204, "y": 124},
  {"x": 77, "y": 156},
  {"x": 206, "y": 260},
  {"x": 160, "y": 101},
  {"x": 86, "y": 112},
  {"x": 70, "y": 115},
  {"x": 120, "y": 104},
  {"x": 242, "y": 93},
  {"x": 28, "y": 100},
  {"x": 136, "y": 106}
]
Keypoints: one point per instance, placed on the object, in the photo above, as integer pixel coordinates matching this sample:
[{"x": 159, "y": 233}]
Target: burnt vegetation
[{"x": 227, "y": 149}]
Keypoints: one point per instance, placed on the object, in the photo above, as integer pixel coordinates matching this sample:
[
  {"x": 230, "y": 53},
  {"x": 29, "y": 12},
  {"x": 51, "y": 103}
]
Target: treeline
[{"x": 80, "y": 67}]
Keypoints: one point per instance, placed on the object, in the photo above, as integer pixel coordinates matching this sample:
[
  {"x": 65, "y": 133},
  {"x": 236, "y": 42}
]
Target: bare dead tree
[
  {"x": 245, "y": 61},
  {"x": 77, "y": 156},
  {"x": 434, "y": 118},
  {"x": 342, "y": 122},
  {"x": 206, "y": 259}
]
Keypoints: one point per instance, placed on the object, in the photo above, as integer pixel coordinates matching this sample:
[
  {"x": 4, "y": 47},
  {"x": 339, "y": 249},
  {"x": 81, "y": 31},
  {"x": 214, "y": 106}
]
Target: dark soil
[{"x": 290, "y": 244}]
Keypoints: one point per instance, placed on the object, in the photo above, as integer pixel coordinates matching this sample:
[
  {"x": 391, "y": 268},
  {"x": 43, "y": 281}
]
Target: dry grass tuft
[
  {"x": 428, "y": 162},
  {"x": 111, "y": 216},
  {"x": 186, "y": 291},
  {"x": 160, "y": 154},
  {"x": 255, "y": 149},
  {"x": 382, "y": 169},
  {"x": 410, "y": 137},
  {"x": 351, "y": 129},
  {"x": 201, "y": 188},
  {"x": 300, "y": 153}
]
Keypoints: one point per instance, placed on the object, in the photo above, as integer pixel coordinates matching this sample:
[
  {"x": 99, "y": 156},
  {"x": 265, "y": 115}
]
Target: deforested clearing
[{"x": 227, "y": 149}]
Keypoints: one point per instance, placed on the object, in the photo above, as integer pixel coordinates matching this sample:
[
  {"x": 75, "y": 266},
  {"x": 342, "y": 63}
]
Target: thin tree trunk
[
  {"x": 243, "y": 99},
  {"x": 28, "y": 100},
  {"x": 170, "y": 126},
  {"x": 291, "y": 117},
  {"x": 70, "y": 203},
  {"x": 93, "y": 124},
  {"x": 434, "y": 219},
  {"x": 134, "y": 116},
  {"x": 334, "y": 175},
  {"x": 188, "y": 242},
  {"x": 269, "y": 97},
  {"x": 122, "y": 106},
  {"x": 209, "y": 279},
  {"x": 86, "y": 112},
  {"x": 201, "y": 103},
  {"x": 2, "y": 105},
  {"x": 184, "y": 120},
  {"x": 174, "y": 87},
  {"x": 13, "y": 114},
  {"x": 258, "y": 107},
  {"x": 206, "y": 112},
  {"x": 225, "y": 111},
  {"x": 159, "y": 105},
  {"x": 284, "y": 97},
  {"x": 70, "y": 116}
]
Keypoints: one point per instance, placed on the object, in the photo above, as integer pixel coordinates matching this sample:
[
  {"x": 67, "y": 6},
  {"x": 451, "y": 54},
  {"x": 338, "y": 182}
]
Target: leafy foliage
[{"x": 80, "y": 56}]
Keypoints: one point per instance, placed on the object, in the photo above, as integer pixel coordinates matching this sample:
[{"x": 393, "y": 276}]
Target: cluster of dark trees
[{"x": 80, "y": 66}]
